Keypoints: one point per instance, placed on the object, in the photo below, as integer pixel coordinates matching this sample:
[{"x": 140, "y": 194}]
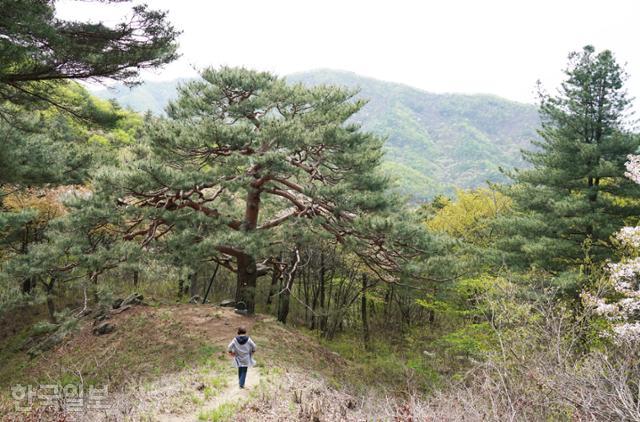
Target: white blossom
[
  {"x": 625, "y": 310},
  {"x": 624, "y": 275},
  {"x": 633, "y": 168},
  {"x": 628, "y": 332},
  {"x": 600, "y": 307},
  {"x": 629, "y": 236},
  {"x": 629, "y": 306}
]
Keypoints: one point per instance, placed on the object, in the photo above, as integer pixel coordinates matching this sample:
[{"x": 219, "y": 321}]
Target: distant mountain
[
  {"x": 150, "y": 96},
  {"x": 435, "y": 142}
]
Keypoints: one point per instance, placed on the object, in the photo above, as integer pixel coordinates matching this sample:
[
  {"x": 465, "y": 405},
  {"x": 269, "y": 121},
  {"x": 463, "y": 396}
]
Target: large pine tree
[
  {"x": 245, "y": 164},
  {"x": 575, "y": 196}
]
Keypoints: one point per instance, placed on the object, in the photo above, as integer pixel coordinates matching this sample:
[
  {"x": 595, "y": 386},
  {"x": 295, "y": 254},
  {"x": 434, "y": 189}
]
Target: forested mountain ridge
[
  {"x": 150, "y": 96},
  {"x": 435, "y": 142},
  {"x": 439, "y": 141}
]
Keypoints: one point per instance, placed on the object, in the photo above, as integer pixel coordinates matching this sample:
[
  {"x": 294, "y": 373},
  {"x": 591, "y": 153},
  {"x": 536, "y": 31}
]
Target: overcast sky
[{"x": 470, "y": 46}]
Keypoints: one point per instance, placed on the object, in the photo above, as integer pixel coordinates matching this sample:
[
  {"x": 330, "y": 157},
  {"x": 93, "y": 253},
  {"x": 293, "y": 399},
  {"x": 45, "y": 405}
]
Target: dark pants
[{"x": 242, "y": 375}]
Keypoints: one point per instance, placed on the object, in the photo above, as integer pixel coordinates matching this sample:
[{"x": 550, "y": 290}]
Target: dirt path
[
  {"x": 231, "y": 394},
  {"x": 187, "y": 394},
  {"x": 218, "y": 326}
]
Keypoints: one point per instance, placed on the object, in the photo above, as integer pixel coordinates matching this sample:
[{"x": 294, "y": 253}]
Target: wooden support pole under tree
[{"x": 204, "y": 299}]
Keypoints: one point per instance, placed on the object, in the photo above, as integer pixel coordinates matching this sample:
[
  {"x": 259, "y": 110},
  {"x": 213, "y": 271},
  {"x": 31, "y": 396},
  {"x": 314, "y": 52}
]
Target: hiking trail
[{"x": 231, "y": 394}]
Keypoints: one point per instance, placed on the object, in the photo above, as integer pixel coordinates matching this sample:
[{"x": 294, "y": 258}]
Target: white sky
[{"x": 471, "y": 46}]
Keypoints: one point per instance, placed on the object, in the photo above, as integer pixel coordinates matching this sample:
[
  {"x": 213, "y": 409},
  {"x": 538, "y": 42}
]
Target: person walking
[{"x": 242, "y": 349}]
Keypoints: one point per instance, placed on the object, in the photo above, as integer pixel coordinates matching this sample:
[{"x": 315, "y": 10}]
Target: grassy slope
[
  {"x": 152, "y": 346},
  {"x": 435, "y": 142}
]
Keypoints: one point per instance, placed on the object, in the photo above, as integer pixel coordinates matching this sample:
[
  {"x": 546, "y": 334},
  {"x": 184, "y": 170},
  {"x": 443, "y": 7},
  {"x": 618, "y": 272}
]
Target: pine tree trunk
[
  {"x": 283, "y": 308},
  {"x": 272, "y": 287},
  {"x": 323, "y": 318},
  {"x": 247, "y": 271},
  {"x": 363, "y": 308},
  {"x": 51, "y": 306},
  {"x": 246, "y": 281},
  {"x": 94, "y": 280},
  {"x": 388, "y": 303},
  {"x": 283, "y": 311},
  {"x": 135, "y": 279},
  {"x": 275, "y": 276},
  {"x": 180, "y": 288},
  {"x": 28, "y": 284},
  {"x": 314, "y": 304},
  {"x": 304, "y": 286},
  {"x": 193, "y": 284}
]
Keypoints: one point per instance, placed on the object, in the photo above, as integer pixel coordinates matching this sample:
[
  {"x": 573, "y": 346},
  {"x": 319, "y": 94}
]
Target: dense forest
[{"x": 132, "y": 245}]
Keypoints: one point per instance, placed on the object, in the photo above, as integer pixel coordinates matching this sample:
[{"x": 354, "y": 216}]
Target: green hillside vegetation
[
  {"x": 133, "y": 248},
  {"x": 435, "y": 142}
]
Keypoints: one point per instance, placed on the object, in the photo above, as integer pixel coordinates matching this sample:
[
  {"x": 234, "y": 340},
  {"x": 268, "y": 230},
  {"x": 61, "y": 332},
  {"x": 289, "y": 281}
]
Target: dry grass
[
  {"x": 294, "y": 395},
  {"x": 157, "y": 356}
]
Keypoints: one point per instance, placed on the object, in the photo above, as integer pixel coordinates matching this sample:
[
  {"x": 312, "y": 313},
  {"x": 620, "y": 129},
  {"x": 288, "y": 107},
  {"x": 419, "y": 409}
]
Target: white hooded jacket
[{"x": 243, "y": 347}]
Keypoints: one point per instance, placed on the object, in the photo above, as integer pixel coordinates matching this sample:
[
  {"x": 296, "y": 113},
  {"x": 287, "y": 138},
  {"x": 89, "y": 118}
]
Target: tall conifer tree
[{"x": 575, "y": 196}]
